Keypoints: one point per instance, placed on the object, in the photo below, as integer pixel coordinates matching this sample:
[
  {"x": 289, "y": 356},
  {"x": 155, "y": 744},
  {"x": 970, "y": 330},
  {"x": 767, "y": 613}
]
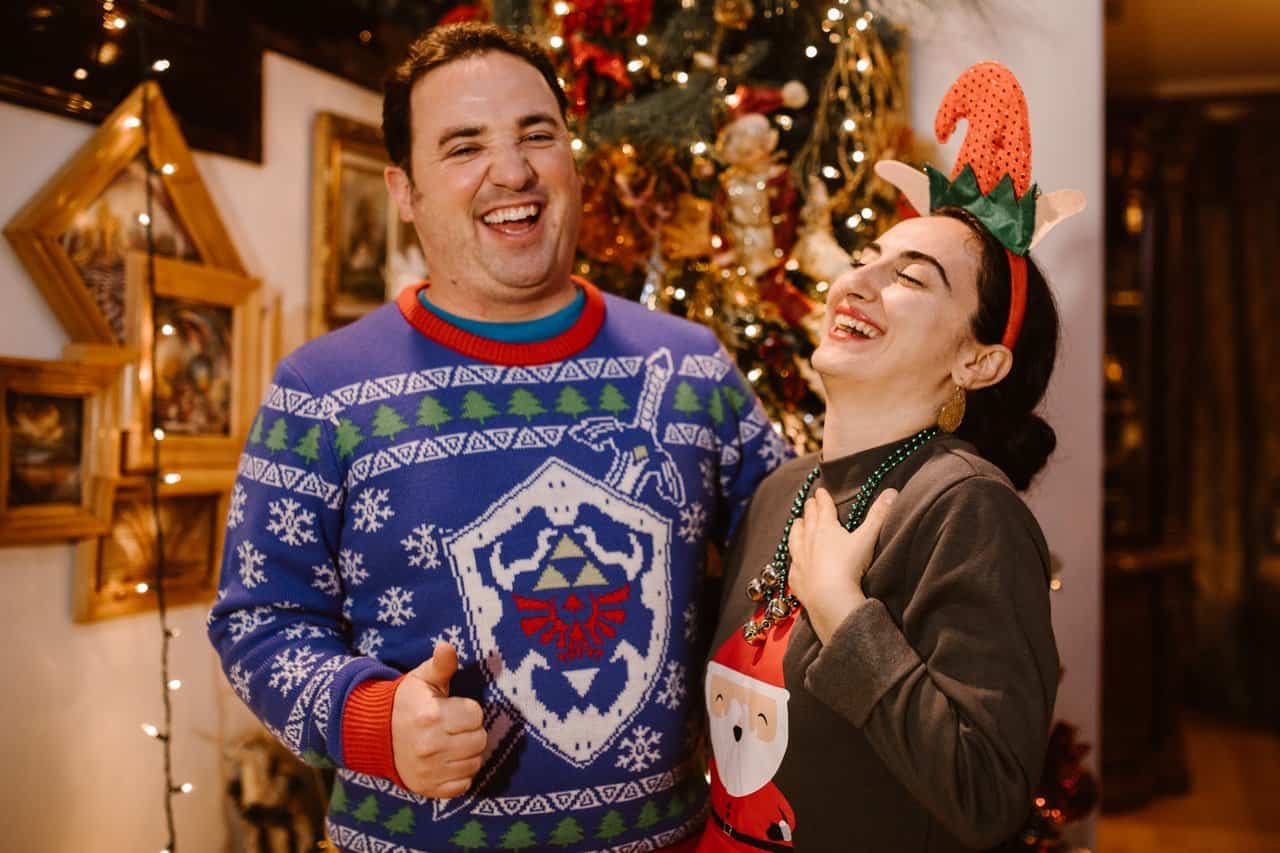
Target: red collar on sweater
[{"x": 570, "y": 342}]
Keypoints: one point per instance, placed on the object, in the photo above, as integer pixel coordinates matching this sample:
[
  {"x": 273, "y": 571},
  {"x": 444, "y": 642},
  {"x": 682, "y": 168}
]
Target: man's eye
[
  {"x": 541, "y": 136},
  {"x": 463, "y": 151}
]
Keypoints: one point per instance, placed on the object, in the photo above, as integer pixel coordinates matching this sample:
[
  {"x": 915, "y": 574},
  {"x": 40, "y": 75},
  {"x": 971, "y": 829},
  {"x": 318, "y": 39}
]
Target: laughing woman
[{"x": 886, "y": 682}]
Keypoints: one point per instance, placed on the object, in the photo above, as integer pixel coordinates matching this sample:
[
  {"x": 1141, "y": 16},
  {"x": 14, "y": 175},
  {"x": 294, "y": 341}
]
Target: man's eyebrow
[
  {"x": 535, "y": 118},
  {"x": 465, "y": 131},
  {"x": 470, "y": 131}
]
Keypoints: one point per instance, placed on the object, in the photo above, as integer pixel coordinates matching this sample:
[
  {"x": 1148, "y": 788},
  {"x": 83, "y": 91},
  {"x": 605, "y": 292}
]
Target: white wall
[
  {"x": 79, "y": 774},
  {"x": 1055, "y": 49}
]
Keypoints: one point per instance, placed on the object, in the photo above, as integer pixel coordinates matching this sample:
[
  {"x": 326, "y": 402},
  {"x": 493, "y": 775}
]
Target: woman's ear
[{"x": 981, "y": 365}]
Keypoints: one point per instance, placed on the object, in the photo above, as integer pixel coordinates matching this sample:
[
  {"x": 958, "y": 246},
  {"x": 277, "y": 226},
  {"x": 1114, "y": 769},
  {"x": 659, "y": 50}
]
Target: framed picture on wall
[
  {"x": 116, "y": 572},
  {"x": 58, "y": 449},
  {"x": 352, "y": 219},
  {"x": 205, "y": 325},
  {"x": 74, "y": 234}
]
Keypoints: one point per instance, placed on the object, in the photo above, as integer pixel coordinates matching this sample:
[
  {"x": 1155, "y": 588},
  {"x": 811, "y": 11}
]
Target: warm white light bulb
[
  {"x": 556, "y": 42},
  {"x": 160, "y": 65},
  {"x": 168, "y": 169},
  {"x": 682, "y": 77},
  {"x": 158, "y": 434},
  {"x": 149, "y": 730},
  {"x": 642, "y": 39},
  {"x": 811, "y": 51},
  {"x": 167, "y": 329},
  {"x": 175, "y": 684},
  {"x": 141, "y": 588},
  {"x": 171, "y": 479}
]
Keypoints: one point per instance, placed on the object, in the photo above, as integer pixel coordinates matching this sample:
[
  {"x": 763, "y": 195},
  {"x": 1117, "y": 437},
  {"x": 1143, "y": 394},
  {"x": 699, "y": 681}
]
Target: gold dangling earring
[{"x": 951, "y": 415}]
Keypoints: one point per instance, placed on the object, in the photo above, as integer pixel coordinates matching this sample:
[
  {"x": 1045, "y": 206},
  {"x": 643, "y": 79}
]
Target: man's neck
[{"x": 460, "y": 299}]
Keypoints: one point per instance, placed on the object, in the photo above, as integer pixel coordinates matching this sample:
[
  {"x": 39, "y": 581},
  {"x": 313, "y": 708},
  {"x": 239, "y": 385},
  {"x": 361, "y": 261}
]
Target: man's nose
[{"x": 511, "y": 169}]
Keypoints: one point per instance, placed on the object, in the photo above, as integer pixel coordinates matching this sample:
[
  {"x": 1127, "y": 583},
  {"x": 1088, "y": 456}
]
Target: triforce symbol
[{"x": 577, "y": 629}]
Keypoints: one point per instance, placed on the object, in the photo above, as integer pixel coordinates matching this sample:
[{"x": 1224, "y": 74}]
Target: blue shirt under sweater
[
  {"x": 549, "y": 520},
  {"x": 518, "y": 332}
]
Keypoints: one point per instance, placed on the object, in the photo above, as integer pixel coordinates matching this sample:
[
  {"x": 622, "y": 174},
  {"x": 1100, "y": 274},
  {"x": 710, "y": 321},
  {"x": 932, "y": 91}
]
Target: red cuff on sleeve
[{"x": 366, "y": 729}]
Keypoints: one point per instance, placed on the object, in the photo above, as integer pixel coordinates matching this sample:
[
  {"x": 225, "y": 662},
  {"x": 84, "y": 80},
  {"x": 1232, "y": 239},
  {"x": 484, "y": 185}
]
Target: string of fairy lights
[{"x": 115, "y": 24}]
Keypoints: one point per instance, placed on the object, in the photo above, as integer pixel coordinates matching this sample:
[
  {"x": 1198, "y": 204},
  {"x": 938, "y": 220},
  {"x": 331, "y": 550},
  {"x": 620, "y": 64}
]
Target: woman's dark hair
[
  {"x": 1000, "y": 420},
  {"x": 439, "y": 46}
]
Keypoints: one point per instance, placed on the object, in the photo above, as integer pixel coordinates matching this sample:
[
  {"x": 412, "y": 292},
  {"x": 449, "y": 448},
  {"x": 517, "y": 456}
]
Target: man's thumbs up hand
[{"x": 437, "y": 741}]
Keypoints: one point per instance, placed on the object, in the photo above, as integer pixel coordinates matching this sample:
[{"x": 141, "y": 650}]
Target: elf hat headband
[{"x": 992, "y": 175}]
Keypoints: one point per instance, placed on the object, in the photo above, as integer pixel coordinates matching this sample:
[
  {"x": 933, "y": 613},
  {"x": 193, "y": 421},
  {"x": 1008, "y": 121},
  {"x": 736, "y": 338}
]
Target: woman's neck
[{"x": 856, "y": 424}]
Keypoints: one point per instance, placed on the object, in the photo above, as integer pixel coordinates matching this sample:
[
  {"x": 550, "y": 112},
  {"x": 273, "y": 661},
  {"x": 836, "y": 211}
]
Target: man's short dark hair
[{"x": 442, "y": 45}]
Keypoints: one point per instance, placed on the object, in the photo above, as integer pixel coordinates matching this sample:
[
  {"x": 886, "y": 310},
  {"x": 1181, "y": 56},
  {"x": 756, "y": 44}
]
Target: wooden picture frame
[
  {"x": 72, "y": 235},
  {"x": 351, "y": 215},
  {"x": 58, "y": 449},
  {"x": 212, "y": 368},
  {"x": 111, "y": 567}
]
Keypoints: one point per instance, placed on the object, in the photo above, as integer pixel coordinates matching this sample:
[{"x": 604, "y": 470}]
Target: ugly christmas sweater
[{"x": 542, "y": 506}]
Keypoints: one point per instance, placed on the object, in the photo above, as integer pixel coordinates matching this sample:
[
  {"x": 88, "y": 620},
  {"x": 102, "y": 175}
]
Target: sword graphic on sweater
[{"x": 638, "y": 453}]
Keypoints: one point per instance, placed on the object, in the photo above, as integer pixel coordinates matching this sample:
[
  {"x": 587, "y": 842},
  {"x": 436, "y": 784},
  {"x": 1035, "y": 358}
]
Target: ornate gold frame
[
  {"x": 35, "y": 230},
  {"x": 100, "y": 596},
  {"x": 97, "y": 385},
  {"x": 193, "y": 283},
  {"x": 334, "y": 137}
]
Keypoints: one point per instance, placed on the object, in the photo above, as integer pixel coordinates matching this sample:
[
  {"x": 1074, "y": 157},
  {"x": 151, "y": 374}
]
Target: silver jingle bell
[{"x": 779, "y": 609}]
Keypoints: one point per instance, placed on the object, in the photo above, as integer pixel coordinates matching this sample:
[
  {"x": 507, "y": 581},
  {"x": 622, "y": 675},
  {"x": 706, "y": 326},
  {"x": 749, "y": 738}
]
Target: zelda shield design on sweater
[{"x": 570, "y": 578}]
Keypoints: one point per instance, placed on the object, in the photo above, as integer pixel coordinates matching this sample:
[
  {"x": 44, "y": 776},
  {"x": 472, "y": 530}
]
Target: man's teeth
[
  {"x": 853, "y": 324},
  {"x": 511, "y": 214}
]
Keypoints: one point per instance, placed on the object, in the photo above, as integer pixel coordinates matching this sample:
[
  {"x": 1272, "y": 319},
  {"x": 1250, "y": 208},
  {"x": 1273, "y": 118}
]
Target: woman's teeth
[{"x": 855, "y": 326}]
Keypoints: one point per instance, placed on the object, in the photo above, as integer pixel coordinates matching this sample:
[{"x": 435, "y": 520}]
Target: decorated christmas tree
[{"x": 726, "y": 149}]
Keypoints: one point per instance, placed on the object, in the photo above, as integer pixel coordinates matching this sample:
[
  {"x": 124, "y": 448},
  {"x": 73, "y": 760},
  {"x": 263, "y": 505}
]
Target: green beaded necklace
[{"x": 770, "y": 588}]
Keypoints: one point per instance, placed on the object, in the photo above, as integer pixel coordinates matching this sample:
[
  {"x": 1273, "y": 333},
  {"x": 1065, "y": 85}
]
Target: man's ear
[
  {"x": 981, "y": 365},
  {"x": 400, "y": 185}
]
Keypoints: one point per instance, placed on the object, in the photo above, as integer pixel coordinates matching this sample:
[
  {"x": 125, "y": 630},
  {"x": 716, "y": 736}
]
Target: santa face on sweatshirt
[
  {"x": 748, "y": 722},
  {"x": 747, "y": 715}
]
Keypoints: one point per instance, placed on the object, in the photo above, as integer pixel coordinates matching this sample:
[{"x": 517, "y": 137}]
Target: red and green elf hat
[{"x": 992, "y": 175}]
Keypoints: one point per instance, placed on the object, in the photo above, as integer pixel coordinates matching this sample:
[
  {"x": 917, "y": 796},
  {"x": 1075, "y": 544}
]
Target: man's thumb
[{"x": 439, "y": 669}]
